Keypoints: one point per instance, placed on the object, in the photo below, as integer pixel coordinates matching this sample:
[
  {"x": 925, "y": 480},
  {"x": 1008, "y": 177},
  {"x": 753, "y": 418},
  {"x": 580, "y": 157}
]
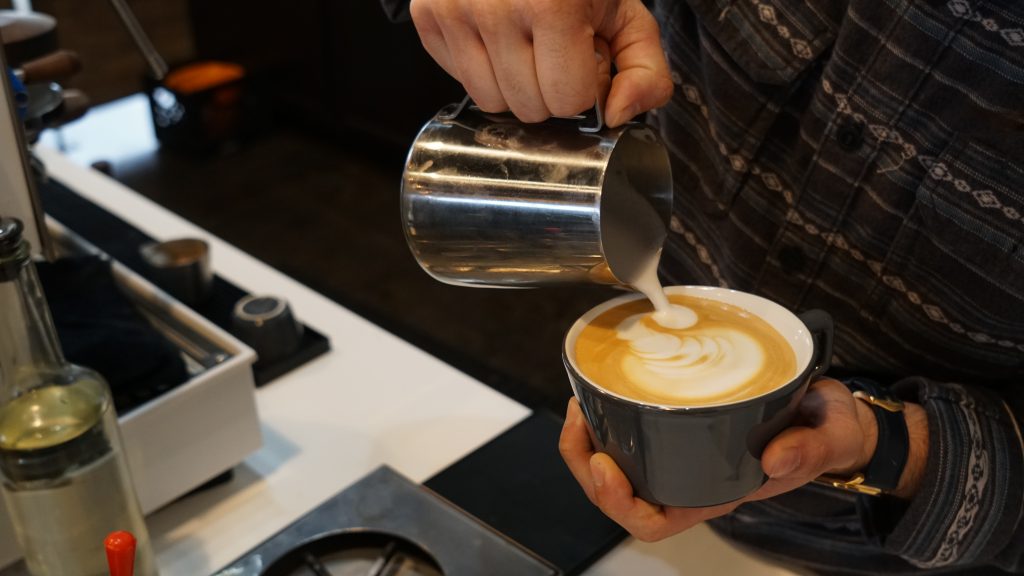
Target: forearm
[{"x": 917, "y": 456}]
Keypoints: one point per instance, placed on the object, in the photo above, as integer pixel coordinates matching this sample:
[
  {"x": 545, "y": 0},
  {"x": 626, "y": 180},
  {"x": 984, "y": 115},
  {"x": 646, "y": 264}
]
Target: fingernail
[
  {"x": 597, "y": 471},
  {"x": 599, "y": 56},
  {"x": 785, "y": 464}
]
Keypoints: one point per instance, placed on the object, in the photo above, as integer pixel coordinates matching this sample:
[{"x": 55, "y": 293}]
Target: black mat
[
  {"x": 121, "y": 241},
  {"x": 519, "y": 485}
]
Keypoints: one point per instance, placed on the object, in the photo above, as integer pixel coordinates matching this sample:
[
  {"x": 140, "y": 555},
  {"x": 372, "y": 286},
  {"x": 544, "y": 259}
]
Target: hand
[
  {"x": 835, "y": 434},
  {"x": 539, "y": 58}
]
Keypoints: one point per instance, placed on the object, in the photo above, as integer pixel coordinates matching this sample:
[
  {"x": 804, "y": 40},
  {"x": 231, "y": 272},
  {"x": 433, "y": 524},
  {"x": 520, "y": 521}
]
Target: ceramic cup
[{"x": 700, "y": 455}]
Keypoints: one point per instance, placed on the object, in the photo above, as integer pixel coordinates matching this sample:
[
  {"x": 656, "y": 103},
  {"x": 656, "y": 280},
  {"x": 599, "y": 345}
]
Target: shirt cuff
[
  {"x": 396, "y": 10},
  {"x": 971, "y": 499}
]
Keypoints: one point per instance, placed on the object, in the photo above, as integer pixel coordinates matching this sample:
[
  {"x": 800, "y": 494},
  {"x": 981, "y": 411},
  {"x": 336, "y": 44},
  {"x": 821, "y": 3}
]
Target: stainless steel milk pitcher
[{"x": 490, "y": 201}]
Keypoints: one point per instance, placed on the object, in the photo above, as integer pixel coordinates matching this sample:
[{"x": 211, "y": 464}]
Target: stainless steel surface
[
  {"x": 383, "y": 504},
  {"x": 42, "y": 99},
  {"x": 156, "y": 63},
  {"x": 181, "y": 267},
  {"x": 490, "y": 201}
]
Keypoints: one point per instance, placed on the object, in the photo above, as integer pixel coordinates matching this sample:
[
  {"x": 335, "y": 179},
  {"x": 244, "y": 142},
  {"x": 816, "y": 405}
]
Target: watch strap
[{"x": 893, "y": 445}]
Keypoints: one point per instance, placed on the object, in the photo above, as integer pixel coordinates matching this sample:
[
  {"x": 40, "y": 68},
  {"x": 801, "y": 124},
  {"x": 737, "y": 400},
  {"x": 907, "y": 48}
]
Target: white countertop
[{"x": 373, "y": 399}]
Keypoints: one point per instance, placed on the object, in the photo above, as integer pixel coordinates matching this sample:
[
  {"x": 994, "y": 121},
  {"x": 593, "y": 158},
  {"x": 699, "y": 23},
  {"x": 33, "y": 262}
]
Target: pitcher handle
[{"x": 588, "y": 123}]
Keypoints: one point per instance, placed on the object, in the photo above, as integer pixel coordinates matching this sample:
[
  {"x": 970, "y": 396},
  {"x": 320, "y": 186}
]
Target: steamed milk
[{"x": 683, "y": 351}]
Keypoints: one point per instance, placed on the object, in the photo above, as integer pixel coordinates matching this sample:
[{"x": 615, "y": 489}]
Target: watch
[{"x": 883, "y": 471}]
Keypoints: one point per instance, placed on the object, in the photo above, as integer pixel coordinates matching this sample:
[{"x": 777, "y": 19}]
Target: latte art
[{"x": 710, "y": 352}]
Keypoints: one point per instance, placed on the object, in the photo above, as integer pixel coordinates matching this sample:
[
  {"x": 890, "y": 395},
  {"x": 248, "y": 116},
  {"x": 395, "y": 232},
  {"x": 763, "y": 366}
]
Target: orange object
[
  {"x": 120, "y": 547},
  {"x": 200, "y": 76}
]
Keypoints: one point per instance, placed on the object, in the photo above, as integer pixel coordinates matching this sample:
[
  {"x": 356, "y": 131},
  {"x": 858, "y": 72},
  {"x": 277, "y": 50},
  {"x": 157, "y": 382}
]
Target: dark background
[{"x": 342, "y": 92}]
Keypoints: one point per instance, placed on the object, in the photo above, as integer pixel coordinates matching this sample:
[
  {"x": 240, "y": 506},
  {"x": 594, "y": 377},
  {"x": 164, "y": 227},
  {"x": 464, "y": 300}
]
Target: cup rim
[{"x": 782, "y": 390}]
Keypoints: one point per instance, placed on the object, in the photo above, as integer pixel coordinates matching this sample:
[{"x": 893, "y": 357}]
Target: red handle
[{"x": 120, "y": 553}]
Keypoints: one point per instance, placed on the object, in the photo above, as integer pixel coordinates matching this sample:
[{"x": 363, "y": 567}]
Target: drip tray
[
  {"x": 386, "y": 525},
  {"x": 358, "y": 553}
]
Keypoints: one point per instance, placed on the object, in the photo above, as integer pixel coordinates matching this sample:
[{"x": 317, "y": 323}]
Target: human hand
[
  {"x": 834, "y": 434},
  {"x": 537, "y": 57}
]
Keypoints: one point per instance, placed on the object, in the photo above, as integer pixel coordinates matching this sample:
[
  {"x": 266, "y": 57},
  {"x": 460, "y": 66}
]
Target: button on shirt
[{"x": 866, "y": 157}]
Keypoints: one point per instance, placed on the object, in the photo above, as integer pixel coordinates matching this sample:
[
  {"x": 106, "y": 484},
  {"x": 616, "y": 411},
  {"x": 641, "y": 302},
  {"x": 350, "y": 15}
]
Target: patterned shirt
[{"x": 866, "y": 157}]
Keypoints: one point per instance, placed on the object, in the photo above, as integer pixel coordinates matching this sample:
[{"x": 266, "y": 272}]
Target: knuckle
[
  {"x": 561, "y": 12},
  {"x": 546, "y": 7},
  {"x": 664, "y": 89},
  {"x": 564, "y": 446},
  {"x": 487, "y": 101},
  {"x": 643, "y": 19},
  {"x": 419, "y": 9},
  {"x": 649, "y": 528},
  {"x": 489, "y": 16},
  {"x": 646, "y": 533},
  {"x": 531, "y": 115},
  {"x": 817, "y": 455},
  {"x": 533, "y": 118},
  {"x": 569, "y": 104}
]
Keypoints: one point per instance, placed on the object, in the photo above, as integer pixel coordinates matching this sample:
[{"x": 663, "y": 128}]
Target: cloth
[
  {"x": 100, "y": 328},
  {"x": 866, "y": 157}
]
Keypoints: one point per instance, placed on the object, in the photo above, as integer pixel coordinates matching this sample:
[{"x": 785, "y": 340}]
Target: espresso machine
[{"x": 149, "y": 425}]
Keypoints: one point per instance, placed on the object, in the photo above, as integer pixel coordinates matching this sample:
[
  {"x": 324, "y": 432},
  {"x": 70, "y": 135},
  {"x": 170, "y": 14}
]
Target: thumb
[
  {"x": 834, "y": 438},
  {"x": 643, "y": 81},
  {"x": 797, "y": 453},
  {"x": 794, "y": 458}
]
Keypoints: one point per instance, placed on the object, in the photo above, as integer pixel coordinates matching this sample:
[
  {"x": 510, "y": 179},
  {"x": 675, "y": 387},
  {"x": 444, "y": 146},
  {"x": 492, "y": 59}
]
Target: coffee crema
[{"x": 728, "y": 354}]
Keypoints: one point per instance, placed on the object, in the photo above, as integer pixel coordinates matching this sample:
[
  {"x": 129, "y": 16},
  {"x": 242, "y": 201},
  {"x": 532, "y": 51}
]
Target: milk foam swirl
[
  {"x": 689, "y": 351},
  {"x": 688, "y": 362}
]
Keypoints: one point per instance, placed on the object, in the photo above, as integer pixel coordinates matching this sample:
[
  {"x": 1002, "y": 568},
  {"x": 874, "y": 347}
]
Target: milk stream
[
  {"x": 666, "y": 314},
  {"x": 690, "y": 351},
  {"x": 665, "y": 361}
]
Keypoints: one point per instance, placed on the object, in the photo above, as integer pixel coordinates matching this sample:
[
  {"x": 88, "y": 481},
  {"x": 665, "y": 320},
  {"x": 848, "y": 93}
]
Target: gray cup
[
  {"x": 707, "y": 455},
  {"x": 490, "y": 201}
]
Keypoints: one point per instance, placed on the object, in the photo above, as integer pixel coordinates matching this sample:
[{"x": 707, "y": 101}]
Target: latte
[{"x": 711, "y": 353}]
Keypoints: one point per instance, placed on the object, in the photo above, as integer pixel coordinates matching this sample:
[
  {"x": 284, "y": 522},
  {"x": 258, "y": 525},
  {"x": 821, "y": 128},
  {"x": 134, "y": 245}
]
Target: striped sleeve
[{"x": 969, "y": 508}]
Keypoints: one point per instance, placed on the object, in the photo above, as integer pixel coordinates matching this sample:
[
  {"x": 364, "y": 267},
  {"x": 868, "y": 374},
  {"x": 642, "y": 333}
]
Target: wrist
[
  {"x": 869, "y": 429},
  {"x": 917, "y": 456}
]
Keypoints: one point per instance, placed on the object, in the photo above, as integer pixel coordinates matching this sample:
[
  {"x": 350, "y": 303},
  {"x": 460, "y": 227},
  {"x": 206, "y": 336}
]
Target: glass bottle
[{"x": 63, "y": 475}]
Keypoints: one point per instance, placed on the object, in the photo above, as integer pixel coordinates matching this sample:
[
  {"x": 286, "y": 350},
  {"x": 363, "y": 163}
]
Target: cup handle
[{"x": 821, "y": 327}]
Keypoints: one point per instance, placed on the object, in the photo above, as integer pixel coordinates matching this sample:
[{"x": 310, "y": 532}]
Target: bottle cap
[
  {"x": 10, "y": 235},
  {"x": 120, "y": 547},
  {"x": 13, "y": 248}
]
